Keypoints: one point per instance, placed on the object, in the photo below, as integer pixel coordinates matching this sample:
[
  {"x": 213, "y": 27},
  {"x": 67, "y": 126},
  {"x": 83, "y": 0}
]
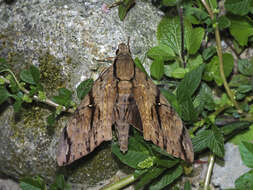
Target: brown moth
[{"x": 122, "y": 96}]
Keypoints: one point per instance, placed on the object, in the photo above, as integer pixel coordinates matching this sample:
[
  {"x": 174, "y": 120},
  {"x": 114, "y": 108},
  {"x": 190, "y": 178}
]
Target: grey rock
[
  {"x": 226, "y": 172},
  {"x": 62, "y": 38}
]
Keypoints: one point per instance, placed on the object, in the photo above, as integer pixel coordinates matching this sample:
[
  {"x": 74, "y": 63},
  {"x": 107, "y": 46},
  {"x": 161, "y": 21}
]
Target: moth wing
[
  {"x": 160, "y": 123},
  {"x": 91, "y": 123}
]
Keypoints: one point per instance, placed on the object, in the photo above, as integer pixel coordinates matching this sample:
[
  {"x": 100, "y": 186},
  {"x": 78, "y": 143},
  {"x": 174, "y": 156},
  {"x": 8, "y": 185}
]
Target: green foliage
[
  {"x": 83, "y": 88},
  {"x": 38, "y": 183},
  {"x": 124, "y": 7},
  {"x": 210, "y": 138},
  {"x": 152, "y": 165},
  {"x": 246, "y": 151}
]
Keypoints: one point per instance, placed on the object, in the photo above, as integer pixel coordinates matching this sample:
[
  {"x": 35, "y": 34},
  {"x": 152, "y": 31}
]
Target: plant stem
[
  {"x": 121, "y": 183},
  {"x": 209, "y": 171},
  {"x": 34, "y": 97},
  {"x": 219, "y": 52}
]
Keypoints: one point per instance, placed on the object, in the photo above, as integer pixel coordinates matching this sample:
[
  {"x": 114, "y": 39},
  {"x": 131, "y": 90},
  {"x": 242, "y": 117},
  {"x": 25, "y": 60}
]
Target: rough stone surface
[
  {"x": 64, "y": 39},
  {"x": 226, "y": 172}
]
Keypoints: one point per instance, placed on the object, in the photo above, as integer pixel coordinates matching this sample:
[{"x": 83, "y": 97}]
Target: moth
[{"x": 123, "y": 96}]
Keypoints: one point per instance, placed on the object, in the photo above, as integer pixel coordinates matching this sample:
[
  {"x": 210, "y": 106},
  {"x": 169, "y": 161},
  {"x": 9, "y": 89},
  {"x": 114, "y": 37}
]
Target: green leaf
[
  {"x": 27, "y": 77},
  {"x": 223, "y": 22},
  {"x": 34, "y": 183},
  {"x": 64, "y": 97},
  {"x": 35, "y": 74},
  {"x": 243, "y": 136},
  {"x": 169, "y": 3},
  {"x": 4, "y": 94},
  {"x": 162, "y": 52},
  {"x": 204, "y": 99},
  {"x": 241, "y": 29},
  {"x": 196, "y": 38},
  {"x": 172, "y": 99},
  {"x": 83, "y": 88},
  {"x": 244, "y": 89},
  {"x": 190, "y": 83},
  {"x": 187, "y": 185},
  {"x": 124, "y": 8},
  {"x": 169, "y": 33},
  {"x": 133, "y": 156},
  {"x": 246, "y": 151},
  {"x": 238, "y": 80},
  {"x": 166, "y": 163},
  {"x": 51, "y": 119},
  {"x": 245, "y": 67},
  {"x": 186, "y": 109},
  {"x": 147, "y": 163},
  {"x": 60, "y": 184},
  {"x": 18, "y": 102},
  {"x": 209, "y": 52},
  {"x": 238, "y": 7},
  {"x": 194, "y": 61},
  {"x": 138, "y": 63},
  {"x": 245, "y": 181},
  {"x": 211, "y": 138},
  {"x": 157, "y": 69},
  {"x": 212, "y": 71},
  {"x": 235, "y": 126},
  {"x": 175, "y": 71},
  {"x": 169, "y": 176},
  {"x": 149, "y": 176}
]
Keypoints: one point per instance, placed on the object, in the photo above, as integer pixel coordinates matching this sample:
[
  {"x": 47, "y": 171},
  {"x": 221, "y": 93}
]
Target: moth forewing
[{"x": 122, "y": 96}]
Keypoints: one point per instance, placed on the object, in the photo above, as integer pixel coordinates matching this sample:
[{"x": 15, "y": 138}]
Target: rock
[
  {"x": 63, "y": 39},
  {"x": 226, "y": 172}
]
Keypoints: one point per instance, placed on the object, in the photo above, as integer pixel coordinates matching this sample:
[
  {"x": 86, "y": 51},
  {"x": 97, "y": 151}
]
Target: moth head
[{"x": 123, "y": 49}]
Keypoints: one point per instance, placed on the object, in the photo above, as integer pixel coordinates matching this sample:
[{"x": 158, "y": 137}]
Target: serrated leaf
[
  {"x": 169, "y": 176},
  {"x": 124, "y": 8},
  {"x": 235, "y": 126},
  {"x": 162, "y": 52},
  {"x": 138, "y": 63},
  {"x": 245, "y": 67},
  {"x": 223, "y": 22},
  {"x": 241, "y": 29},
  {"x": 4, "y": 94},
  {"x": 148, "y": 177},
  {"x": 212, "y": 71},
  {"x": 84, "y": 88},
  {"x": 204, "y": 99},
  {"x": 169, "y": 33},
  {"x": 245, "y": 135},
  {"x": 35, "y": 74},
  {"x": 238, "y": 7},
  {"x": 238, "y": 80},
  {"x": 186, "y": 109},
  {"x": 209, "y": 52},
  {"x": 245, "y": 181},
  {"x": 194, "y": 61},
  {"x": 211, "y": 138},
  {"x": 157, "y": 69},
  {"x": 190, "y": 83},
  {"x": 246, "y": 151},
  {"x": 196, "y": 38}
]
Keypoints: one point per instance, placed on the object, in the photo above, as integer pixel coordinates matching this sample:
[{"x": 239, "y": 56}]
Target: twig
[
  {"x": 219, "y": 52},
  {"x": 121, "y": 183},
  {"x": 209, "y": 171},
  {"x": 35, "y": 97}
]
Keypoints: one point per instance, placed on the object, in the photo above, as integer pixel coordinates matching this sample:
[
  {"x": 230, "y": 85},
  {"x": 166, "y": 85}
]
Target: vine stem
[
  {"x": 121, "y": 183},
  {"x": 209, "y": 171},
  {"x": 219, "y": 52},
  {"x": 34, "y": 97}
]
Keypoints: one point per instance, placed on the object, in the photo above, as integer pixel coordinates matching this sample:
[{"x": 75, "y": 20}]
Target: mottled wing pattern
[
  {"x": 91, "y": 123},
  {"x": 161, "y": 124}
]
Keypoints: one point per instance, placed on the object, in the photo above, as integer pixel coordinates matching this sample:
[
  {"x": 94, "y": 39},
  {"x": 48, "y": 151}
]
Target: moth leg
[{"x": 122, "y": 129}]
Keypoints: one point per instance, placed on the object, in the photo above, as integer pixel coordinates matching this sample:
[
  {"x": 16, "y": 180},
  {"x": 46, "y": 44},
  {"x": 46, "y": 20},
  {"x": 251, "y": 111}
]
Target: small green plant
[{"x": 38, "y": 183}]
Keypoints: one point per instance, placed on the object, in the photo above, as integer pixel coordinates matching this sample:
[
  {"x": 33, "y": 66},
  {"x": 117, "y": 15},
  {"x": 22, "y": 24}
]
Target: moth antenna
[{"x": 128, "y": 42}]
